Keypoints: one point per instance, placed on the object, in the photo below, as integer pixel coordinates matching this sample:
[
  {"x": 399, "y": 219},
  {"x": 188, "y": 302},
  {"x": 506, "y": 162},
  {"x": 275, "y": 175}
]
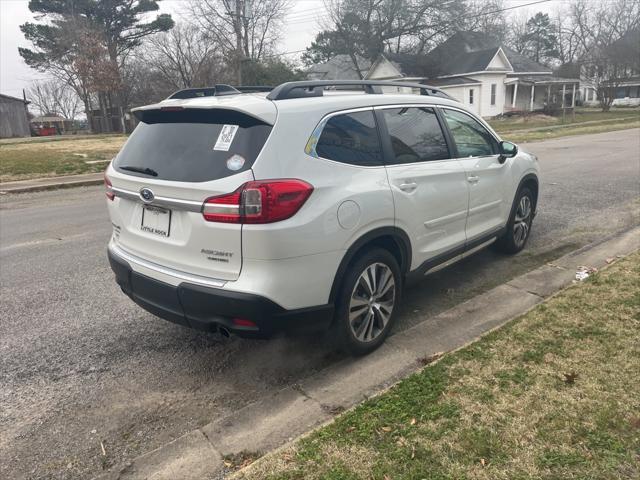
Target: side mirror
[{"x": 507, "y": 150}]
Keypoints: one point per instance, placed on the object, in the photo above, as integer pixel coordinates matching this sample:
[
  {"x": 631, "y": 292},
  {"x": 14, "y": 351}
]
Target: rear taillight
[
  {"x": 258, "y": 202},
  {"x": 109, "y": 188}
]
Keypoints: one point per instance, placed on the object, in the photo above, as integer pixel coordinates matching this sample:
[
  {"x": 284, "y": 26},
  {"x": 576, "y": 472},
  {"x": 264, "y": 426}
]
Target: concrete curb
[
  {"x": 280, "y": 418},
  {"x": 29, "y": 186}
]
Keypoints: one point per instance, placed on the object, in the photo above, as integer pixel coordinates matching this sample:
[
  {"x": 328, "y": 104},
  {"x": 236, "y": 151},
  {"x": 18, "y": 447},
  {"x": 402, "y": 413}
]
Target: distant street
[{"x": 82, "y": 364}]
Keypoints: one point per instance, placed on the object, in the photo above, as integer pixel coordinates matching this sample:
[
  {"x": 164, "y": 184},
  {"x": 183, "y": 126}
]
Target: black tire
[
  {"x": 519, "y": 224},
  {"x": 374, "y": 323}
]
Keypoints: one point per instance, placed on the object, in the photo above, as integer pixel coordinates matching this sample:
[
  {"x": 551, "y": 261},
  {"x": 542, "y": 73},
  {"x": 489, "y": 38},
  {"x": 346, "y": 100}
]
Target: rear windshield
[{"x": 192, "y": 145}]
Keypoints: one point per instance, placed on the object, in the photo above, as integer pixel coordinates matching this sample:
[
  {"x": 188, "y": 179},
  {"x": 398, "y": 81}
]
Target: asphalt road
[{"x": 84, "y": 368}]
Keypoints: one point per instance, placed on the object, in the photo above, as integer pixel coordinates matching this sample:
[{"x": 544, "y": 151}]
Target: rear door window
[
  {"x": 192, "y": 145},
  {"x": 416, "y": 135},
  {"x": 350, "y": 138}
]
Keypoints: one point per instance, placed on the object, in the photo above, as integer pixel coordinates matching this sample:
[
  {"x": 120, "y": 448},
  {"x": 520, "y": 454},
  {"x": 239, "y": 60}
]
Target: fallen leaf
[
  {"x": 429, "y": 358},
  {"x": 350, "y": 429},
  {"x": 413, "y": 421},
  {"x": 483, "y": 462},
  {"x": 570, "y": 378},
  {"x": 413, "y": 452},
  {"x": 609, "y": 260},
  {"x": 386, "y": 429}
]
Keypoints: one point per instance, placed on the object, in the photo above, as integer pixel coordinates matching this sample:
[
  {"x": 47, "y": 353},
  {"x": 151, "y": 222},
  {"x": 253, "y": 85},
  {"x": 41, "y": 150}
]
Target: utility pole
[{"x": 238, "y": 27}]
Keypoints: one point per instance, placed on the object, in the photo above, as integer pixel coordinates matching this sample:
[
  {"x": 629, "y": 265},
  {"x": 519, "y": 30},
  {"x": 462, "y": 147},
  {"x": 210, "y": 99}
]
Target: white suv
[{"x": 307, "y": 207}]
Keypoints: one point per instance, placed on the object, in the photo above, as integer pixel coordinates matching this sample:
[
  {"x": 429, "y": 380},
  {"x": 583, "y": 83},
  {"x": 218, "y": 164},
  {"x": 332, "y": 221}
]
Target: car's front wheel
[
  {"x": 368, "y": 302},
  {"x": 519, "y": 226}
]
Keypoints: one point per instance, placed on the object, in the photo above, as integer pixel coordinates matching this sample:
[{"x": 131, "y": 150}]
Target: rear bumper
[{"x": 206, "y": 308}]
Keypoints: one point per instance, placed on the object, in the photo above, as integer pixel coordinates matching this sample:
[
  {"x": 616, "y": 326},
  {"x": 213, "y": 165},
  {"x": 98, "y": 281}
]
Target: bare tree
[
  {"x": 52, "y": 97},
  {"x": 243, "y": 29},
  {"x": 607, "y": 36},
  {"x": 184, "y": 57},
  {"x": 516, "y": 36},
  {"x": 568, "y": 42},
  {"x": 485, "y": 16},
  {"x": 367, "y": 28}
]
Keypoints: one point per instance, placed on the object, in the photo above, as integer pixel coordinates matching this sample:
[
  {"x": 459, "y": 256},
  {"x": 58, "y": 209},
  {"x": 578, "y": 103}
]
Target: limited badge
[
  {"x": 225, "y": 138},
  {"x": 235, "y": 162}
]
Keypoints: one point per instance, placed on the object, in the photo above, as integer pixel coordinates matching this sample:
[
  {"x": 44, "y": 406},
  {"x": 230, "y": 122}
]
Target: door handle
[
  {"x": 408, "y": 187},
  {"x": 473, "y": 179}
]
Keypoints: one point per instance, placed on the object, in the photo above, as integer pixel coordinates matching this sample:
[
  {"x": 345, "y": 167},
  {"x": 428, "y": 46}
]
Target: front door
[
  {"x": 477, "y": 150},
  {"x": 430, "y": 189}
]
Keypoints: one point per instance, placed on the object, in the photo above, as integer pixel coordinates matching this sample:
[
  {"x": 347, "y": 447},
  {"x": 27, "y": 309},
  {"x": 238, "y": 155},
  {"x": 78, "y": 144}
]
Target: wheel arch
[
  {"x": 530, "y": 180},
  {"x": 393, "y": 239}
]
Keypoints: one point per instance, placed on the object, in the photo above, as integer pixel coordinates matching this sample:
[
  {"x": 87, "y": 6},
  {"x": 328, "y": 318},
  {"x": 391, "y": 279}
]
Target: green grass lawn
[
  {"x": 509, "y": 124},
  {"x": 553, "y": 132},
  {"x": 37, "y": 159},
  {"x": 553, "y": 395}
]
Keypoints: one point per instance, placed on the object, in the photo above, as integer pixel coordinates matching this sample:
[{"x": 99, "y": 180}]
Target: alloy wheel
[
  {"x": 522, "y": 221},
  {"x": 372, "y": 302}
]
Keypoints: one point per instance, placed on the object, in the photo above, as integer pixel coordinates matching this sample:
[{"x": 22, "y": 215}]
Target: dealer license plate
[{"x": 156, "y": 220}]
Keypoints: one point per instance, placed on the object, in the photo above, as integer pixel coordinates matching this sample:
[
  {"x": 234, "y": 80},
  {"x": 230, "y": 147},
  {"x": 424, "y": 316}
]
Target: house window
[
  {"x": 494, "y": 87},
  {"x": 590, "y": 94},
  {"x": 471, "y": 92}
]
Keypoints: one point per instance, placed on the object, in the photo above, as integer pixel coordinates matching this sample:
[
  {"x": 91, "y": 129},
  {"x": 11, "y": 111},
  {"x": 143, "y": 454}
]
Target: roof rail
[
  {"x": 315, "y": 88},
  {"x": 253, "y": 88},
  {"x": 215, "y": 91}
]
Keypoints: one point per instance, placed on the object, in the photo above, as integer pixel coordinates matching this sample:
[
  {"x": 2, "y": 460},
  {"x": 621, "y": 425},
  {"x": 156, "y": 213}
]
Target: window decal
[{"x": 225, "y": 138}]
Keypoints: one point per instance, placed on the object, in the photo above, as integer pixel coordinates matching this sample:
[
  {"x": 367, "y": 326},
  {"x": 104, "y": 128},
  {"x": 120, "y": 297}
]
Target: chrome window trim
[
  {"x": 175, "y": 203},
  {"x": 187, "y": 277}
]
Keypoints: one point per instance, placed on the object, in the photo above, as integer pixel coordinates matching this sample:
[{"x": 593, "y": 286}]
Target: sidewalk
[{"x": 51, "y": 183}]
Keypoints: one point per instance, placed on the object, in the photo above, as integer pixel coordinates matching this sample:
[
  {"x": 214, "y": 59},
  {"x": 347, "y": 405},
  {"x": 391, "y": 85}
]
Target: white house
[{"x": 478, "y": 71}]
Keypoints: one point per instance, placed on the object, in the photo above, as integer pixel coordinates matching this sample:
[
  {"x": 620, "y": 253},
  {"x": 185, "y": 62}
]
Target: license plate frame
[{"x": 158, "y": 220}]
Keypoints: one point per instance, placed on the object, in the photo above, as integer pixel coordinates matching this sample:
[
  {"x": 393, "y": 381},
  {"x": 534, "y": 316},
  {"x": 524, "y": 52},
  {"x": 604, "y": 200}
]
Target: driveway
[{"x": 84, "y": 369}]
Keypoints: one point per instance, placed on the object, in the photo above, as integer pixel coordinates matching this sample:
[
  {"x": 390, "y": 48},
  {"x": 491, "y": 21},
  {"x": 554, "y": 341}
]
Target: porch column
[
  {"x": 564, "y": 91},
  {"x": 533, "y": 92},
  {"x": 573, "y": 103},
  {"x": 515, "y": 95},
  {"x": 549, "y": 94}
]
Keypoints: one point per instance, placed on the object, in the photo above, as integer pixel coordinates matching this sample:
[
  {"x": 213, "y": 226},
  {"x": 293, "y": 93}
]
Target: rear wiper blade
[{"x": 145, "y": 170}]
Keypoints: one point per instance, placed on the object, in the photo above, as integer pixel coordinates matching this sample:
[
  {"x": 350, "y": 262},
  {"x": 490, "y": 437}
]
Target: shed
[
  {"x": 14, "y": 121},
  {"x": 58, "y": 122}
]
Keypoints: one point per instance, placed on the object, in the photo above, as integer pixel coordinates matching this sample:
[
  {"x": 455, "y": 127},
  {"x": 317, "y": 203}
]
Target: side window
[
  {"x": 350, "y": 138},
  {"x": 415, "y": 134},
  {"x": 471, "y": 138}
]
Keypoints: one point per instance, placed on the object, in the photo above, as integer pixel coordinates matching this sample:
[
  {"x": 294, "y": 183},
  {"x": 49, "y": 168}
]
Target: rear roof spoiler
[{"x": 217, "y": 90}]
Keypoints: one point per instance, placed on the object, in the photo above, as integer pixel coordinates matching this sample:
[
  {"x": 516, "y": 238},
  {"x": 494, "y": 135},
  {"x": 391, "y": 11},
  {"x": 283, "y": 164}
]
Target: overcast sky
[{"x": 301, "y": 27}]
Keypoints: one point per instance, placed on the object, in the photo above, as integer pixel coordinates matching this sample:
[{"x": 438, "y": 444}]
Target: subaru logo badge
[{"x": 146, "y": 195}]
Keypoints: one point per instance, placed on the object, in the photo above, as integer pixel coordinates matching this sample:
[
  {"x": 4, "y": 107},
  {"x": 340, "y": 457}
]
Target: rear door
[
  {"x": 173, "y": 161},
  {"x": 429, "y": 188}
]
